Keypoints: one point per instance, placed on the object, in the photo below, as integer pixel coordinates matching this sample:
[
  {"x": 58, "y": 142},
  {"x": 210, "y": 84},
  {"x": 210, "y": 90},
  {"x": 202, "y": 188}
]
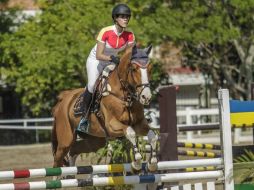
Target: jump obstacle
[
  {"x": 193, "y": 153},
  {"x": 119, "y": 180},
  {"x": 241, "y": 116},
  {"x": 198, "y": 153},
  {"x": 103, "y": 169},
  {"x": 225, "y": 162},
  {"x": 199, "y": 146}
]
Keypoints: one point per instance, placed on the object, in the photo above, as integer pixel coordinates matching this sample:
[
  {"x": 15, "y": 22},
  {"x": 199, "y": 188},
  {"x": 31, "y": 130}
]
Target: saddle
[{"x": 102, "y": 88}]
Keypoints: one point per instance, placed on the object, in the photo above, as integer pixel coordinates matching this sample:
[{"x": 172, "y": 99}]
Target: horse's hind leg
[
  {"x": 61, "y": 152},
  {"x": 72, "y": 159},
  {"x": 63, "y": 148}
]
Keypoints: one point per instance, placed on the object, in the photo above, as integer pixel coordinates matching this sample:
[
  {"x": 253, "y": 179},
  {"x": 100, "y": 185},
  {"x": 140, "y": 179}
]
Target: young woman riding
[{"x": 110, "y": 41}]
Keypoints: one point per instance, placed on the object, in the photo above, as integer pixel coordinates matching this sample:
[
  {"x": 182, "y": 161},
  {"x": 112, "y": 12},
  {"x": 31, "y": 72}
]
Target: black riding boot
[
  {"x": 84, "y": 104},
  {"x": 84, "y": 109}
]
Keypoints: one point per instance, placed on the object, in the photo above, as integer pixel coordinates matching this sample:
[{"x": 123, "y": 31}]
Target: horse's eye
[{"x": 133, "y": 69}]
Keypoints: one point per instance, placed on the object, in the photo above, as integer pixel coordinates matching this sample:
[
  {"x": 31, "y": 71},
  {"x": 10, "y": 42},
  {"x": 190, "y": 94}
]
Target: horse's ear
[
  {"x": 134, "y": 49},
  {"x": 148, "y": 49},
  {"x": 134, "y": 46}
]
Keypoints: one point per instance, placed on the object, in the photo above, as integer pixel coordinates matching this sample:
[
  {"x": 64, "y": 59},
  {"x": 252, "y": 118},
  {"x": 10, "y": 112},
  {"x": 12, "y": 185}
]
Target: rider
[{"x": 110, "y": 41}]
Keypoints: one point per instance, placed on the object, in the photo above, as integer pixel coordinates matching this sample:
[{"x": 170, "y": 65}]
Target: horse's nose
[
  {"x": 145, "y": 96},
  {"x": 146, "y": 99}
]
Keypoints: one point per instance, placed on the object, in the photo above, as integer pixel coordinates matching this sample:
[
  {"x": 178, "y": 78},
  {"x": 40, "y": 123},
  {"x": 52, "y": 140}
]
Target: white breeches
[{"x": 94, "y": 68}]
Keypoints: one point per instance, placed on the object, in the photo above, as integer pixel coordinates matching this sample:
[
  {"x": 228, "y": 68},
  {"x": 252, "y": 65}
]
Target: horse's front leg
[
  {"x": 117, "y": 128},
  {"x": 152, "y": 161},
  {"x": 131, "y": 136}
]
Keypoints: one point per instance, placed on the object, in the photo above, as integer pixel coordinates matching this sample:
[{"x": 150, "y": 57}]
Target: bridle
[
  {"x": 132, "y": 92},
  {"x": 138, "y": 86}
]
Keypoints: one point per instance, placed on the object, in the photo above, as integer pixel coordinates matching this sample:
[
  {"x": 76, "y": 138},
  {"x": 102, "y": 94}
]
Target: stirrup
[{"x": 83, "y": 127}]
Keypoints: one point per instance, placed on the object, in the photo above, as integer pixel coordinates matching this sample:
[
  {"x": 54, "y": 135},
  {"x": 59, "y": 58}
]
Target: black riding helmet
[{"x": 121, "y": 9}]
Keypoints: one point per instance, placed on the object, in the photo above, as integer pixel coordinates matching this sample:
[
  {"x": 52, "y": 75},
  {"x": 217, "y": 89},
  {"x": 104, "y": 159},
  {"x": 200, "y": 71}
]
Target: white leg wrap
[
  {"x": 131, "y": 135},
  {"x": 110, "y": 150},
  {"x": 72, "y": 160},
  {"x": 152, "y": 139}
]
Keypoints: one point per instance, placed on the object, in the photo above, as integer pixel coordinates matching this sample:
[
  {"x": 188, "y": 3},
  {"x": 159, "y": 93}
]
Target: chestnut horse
[{"x": 121, "y": 109}]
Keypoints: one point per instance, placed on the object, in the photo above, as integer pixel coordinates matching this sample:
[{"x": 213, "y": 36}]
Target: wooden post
[{"x": 168, "y": 128}]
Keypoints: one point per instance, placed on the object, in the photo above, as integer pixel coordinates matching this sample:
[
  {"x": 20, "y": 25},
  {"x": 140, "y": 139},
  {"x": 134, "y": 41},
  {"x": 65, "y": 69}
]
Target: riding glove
[{"x": 115, "y": 59}]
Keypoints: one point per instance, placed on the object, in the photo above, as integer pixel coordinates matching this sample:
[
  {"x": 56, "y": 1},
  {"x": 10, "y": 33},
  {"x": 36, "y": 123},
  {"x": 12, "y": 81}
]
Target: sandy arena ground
[{"x": 33, "y": 156}]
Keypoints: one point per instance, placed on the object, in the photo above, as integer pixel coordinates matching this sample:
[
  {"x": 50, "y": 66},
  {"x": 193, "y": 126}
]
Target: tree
[
  {"x": 50, "y": 51},
  {"x": 8, "y": 23},
  {"x": 217, "y": 37},
  {"x": 47, "y": 54}
]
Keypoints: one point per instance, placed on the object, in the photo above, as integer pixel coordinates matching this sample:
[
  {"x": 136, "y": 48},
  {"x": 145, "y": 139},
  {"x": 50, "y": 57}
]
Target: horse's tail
[
  {"x": 54, "y": 136},
  {"x": 54, "y": 142}
]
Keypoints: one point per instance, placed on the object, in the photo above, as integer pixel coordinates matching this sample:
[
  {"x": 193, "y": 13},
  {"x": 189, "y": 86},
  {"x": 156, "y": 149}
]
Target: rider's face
[{"x": 123, "y": 20}]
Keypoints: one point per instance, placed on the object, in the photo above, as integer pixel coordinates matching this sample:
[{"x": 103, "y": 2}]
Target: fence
[
  {"x": 197, "y": 118},
  {"x": 185, "y": 118},
  {"x": 27, "y": 124}
]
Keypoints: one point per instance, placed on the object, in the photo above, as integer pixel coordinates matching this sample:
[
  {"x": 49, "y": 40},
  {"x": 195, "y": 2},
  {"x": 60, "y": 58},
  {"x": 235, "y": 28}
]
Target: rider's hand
[{"x": 115, "y": 59}]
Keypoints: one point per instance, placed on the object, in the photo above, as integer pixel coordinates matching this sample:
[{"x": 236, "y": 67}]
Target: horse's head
[{"x": 139, "y": 73}]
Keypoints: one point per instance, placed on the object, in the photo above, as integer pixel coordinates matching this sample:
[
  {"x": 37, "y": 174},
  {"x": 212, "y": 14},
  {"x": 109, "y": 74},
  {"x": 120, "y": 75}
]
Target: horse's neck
[
  {"x": 123, "y": 66},
  {"x": 123, "y": 72},
  {"x": 119, "y": 74}
]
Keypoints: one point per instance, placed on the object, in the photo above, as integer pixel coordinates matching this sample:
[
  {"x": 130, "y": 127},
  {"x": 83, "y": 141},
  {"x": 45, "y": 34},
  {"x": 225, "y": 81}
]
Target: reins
[{"x": 130, "y": 92}]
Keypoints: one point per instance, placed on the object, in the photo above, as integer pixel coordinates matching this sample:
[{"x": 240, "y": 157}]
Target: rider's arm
[
  {"x": 131, "y": 42},
  {"x": 100, "y": 52},
  {"x": 129, "y": 46}
]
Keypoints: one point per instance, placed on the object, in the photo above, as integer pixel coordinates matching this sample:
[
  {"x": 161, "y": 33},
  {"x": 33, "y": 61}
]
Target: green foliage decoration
[
  {"x": 118, "y": 151},
  {"x": 245, "y": 159}
]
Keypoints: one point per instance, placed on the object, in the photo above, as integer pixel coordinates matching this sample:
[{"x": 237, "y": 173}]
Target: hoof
[
  {"x": 151, "y": 167},
  {"x": 136, "y": 166},
  {"x": 59, "y": 177},
  {"x": 69, "y": 177},
  {"x": 153, "y": 160},
  {"x": 138, "y": 156}
]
